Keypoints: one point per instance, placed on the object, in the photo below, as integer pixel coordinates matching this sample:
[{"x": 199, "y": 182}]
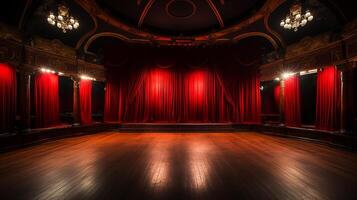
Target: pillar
[
  {"x": 25, "y": 100},
  {"x": 76, "y": 108}
]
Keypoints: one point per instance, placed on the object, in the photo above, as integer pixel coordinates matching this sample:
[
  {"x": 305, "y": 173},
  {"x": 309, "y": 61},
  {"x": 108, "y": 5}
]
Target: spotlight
[
  {"x": 60, "y": 73},
  {"x": 277, "y": 79},
  {"x": 85, "y": 77},
  {"x": 286, "y": 75}
]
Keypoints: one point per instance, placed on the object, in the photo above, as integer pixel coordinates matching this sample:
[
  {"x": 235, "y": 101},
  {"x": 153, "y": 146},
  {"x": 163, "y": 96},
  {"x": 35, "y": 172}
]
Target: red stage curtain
[
  {"x": 277, "y": 96},
  {"x": 292, "y": 101},
  {"x": 85, "y": 99},
  {"x": 46, "y": 100},
  {"x": 7, "y": 97},
  {"x": 328, "y": 101},
  {"x": 181, "y": 95},
  {"x": 249, "y": 98},
  {"x": 111, "y": 104}
]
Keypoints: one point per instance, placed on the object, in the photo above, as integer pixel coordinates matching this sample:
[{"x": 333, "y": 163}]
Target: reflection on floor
[{"x": 178, "y": 166}]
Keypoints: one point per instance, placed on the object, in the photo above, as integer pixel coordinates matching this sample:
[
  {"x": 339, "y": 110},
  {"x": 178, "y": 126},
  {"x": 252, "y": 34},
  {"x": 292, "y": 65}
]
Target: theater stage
[{"x": 113, "y": 165}]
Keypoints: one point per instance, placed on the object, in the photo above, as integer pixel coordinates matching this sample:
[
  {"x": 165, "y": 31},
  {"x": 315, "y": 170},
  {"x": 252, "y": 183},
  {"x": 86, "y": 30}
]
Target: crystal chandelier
[
  {"x": 296, "y": 18},
  {"x": 63, "y": 19}
]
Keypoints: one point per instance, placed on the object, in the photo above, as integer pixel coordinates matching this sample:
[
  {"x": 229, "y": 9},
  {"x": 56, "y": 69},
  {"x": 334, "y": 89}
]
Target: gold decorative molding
[
  {"x": 257, "y": 34},
  {"x": 54, "y": 46},
  {"x": 9, "y": 33},
  {"x": 91, "y": 7}
]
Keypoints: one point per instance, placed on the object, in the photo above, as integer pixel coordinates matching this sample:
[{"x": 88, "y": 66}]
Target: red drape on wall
[
  {"x": 277, "y": 96},
  {"x": 292, "y": 101},
  {"x": 46, "y": 100},
  {"x": 328, "y": 101},
  {"x": 85, "y": 99},
  {"x": 7, "y": 97},
  {"x": 181, "y": 95}
]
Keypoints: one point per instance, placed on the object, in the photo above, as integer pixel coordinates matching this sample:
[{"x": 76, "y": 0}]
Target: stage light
[
  {"x": 60, "y": 73},
  {"x": 277, "y": 79},
  {"x": 286, "y": 75},
  {"x": 311, "y": 71},
  {"x": 85, "y": 77},
  {"x": 45, "y": 70}
]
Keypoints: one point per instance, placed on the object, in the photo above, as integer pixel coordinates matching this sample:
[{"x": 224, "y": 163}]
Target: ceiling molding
[
  {"x": 257, "y": 34},
  {"x": 92, "y": 7},
  {"x": 89, "y": 33},
  {"x": 216, "y": 13},
  {"x": 145, "y": 12},
  {"x": 271, "y": 31},
  {"x": 103, "y": 34},
  {"x": 23, "y": 14}
]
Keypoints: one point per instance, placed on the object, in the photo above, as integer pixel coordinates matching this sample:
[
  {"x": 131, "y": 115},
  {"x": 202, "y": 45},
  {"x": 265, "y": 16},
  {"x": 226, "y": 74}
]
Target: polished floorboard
[{"x": 218, "y": 166}]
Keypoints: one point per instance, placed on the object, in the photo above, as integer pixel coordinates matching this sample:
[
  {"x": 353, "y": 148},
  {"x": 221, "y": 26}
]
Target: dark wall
[{"x": 308, "y": 85}]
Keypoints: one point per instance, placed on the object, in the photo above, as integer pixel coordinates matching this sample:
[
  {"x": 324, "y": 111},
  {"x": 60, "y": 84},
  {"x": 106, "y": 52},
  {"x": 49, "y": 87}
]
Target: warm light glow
[
  {"x": 277, "y": 79},
  {"x": 311, "y": 71},
  {"x": 296, "y": 18},
  {"x": 63, "y": 20},
  {"x": 286, "y": 75},
  {"x": 85, "y": 77},
  {"x": 45, "y": 70}
]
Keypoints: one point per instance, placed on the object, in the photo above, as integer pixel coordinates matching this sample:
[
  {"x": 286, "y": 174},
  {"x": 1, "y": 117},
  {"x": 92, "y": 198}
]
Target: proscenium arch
[{"x": 257, "y": 34}]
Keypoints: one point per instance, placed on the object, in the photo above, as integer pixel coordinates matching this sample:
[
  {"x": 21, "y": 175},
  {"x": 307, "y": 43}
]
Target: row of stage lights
[
  {"x": 286, "y": 75},
  {"x": 83, "y": 77}
]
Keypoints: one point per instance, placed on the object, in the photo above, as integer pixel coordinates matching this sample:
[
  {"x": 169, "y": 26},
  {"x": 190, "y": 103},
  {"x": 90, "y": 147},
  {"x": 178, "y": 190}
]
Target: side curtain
[
  {"x": 85, "y": 99},
  {"x": 328, "y": 100},
  {"x": 7, "y": 97},
  {"x": 46, "y": 100},
  {"x": 277, "y": 97},
  {"x": 292, "y": 101}
]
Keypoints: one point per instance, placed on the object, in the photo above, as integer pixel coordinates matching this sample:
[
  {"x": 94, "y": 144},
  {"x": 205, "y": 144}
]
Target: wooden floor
[{"x": 178, "y": 166}]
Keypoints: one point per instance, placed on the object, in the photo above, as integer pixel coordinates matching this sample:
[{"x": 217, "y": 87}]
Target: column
[
  {"x": 76, "y": 108},
  {"x": 25, "y": 98}
]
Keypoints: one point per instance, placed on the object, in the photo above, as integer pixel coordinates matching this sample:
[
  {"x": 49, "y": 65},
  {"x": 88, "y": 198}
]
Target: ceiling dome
[{"x": 180, "y": 17}]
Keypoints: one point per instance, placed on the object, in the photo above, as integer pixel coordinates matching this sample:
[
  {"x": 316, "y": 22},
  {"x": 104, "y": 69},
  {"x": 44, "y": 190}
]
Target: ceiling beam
[
  {"x": 145, "y": 12},
  {"x": 216, "y": 13}
]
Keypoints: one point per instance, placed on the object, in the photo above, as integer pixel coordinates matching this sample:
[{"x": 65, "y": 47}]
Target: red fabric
[
  {"x": 85, "y": 101},
  {"x": 328, "y": 101},
  {"x": 7, "y": 97},
  {"x": 292, "y": 101},
  {"x": 46, "y": 100},
  {"x": 181, "y": 95},
  {"x": 277, "y": 96}
]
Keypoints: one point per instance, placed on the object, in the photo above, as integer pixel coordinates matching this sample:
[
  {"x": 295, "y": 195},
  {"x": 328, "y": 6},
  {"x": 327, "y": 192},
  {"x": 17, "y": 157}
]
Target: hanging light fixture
[
  {"x": 63, "y": 20},
  {"x": 296, "y": 18}
]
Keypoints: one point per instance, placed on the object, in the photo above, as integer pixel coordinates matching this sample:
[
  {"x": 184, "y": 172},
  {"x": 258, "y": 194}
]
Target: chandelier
[
  {"x": 296, "y": 18},
  {"x": 63, "y": 20}
]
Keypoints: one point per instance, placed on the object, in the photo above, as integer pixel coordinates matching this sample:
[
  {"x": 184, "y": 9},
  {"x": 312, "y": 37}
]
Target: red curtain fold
[
  {"x": 249, "y": 95},
  {"x": 46, "y": 100},
  {"x": 85, "y": 99},
  {"x": 111, "y": 104},
  {"x": 181, "y": 95},
  {"x": 7, "y": 97},
  {"x": 328, "y": 101},
  {"x": 277, "y": 96},
  {"x": 292, "y": 101}
]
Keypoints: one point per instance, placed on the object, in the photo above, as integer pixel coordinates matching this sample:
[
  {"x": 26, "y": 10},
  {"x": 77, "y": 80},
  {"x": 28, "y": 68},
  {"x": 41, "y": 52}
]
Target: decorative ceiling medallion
[
  {"x": 182, "y": 9},
  {"x": 296, "y": 18}
]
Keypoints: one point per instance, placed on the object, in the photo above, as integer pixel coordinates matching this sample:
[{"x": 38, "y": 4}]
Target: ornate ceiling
[{"x": 191, "y": 23}]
